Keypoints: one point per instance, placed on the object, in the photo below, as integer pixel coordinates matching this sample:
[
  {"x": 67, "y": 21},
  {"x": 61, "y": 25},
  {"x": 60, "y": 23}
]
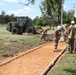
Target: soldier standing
[
  {"x": 65, "y": 33},
  {"x": 70, "y": 38},
  {"x": 57, "y": 36}
]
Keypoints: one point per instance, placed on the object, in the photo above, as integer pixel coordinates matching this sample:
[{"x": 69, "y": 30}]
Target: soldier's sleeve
[
  {"x": 65, "y": 32},
  {"x": 55, "y": 33},
  {"x": 69, "y": 29}
]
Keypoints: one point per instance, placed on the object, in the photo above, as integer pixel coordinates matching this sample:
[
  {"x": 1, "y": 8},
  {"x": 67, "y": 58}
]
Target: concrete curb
[
  {"x": 31, "y": 50},
  {"x": 52, "y": 63}
]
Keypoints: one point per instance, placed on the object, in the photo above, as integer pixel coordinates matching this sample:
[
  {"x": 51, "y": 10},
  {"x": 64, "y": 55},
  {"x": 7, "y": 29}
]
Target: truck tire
[
  {"x": 15, "y": 30},
  {"x": 31, "y": 30}
]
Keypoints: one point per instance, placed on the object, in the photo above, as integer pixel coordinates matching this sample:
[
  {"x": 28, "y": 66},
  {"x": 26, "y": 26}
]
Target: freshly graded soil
[{"x": 32, "y": 63}]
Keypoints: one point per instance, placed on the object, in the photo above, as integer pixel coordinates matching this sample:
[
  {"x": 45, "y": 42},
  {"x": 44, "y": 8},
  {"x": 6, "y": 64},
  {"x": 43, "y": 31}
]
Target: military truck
[{"x": 20, "y": 26}]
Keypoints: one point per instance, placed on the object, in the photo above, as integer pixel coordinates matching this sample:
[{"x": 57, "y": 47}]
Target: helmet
[
  {"x": 65, "y": 25},
  {"x": 59, "y": 27},
  {"x": 72, "y": 22}
]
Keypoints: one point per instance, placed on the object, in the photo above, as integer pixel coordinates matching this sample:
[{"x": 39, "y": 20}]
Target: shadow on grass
[{"x": 73, "y": 72}]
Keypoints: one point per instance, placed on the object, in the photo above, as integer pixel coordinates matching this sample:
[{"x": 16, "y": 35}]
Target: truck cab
[{"x": 20, "y": 25}]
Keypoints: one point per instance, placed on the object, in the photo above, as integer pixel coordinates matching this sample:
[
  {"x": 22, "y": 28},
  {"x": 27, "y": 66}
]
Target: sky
[{"x": 14, "y": 7}]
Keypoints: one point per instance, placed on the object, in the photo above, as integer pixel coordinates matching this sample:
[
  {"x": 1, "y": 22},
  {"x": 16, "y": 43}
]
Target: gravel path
[{"x": 32, "y": 63}]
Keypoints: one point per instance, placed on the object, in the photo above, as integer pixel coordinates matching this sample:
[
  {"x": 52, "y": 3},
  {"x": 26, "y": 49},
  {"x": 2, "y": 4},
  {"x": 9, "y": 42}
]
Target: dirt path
[{"x": 32, "y": 63}]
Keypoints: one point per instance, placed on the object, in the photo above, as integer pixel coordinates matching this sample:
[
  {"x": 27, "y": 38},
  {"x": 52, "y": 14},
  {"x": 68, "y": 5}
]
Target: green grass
[
  {"x": 67, "y": 66},
  {"x": 10, "y": 44},
  {"x": 51, "y": 31}
]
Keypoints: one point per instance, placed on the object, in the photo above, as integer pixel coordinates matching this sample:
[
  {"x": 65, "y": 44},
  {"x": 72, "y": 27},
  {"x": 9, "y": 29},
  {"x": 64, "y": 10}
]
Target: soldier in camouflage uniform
[
  {"x": 57, "y": 36},
  {"x": 65, "y": 33},
  {"x": 44, "y": 35},
  {"x": 70, "y": 38}
]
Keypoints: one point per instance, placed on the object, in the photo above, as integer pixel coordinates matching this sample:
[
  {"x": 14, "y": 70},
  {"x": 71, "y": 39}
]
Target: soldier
[
  {"x": 65, "y": 27},
  {"x": 65, "y": 33},
  {"x": 44, "y": 35},
  {"x": 70, "y": 38},
  {"x": 57, "y": 36}
]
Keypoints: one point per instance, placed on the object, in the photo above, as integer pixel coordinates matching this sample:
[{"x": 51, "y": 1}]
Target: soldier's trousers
[
  {"x": 44, "y": 36},
  {"x": 71, "y": 45},
  {"x": 56, "y": 42}
]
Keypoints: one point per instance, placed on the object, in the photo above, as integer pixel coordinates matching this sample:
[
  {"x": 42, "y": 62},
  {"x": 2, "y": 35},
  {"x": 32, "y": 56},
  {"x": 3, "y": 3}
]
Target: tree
[
  {"x": 37, "y": 21},
  {"x": 2, "y": 17},
  {"x": 3, "y": 13},
  {"x": 28, "y": 2},
  {"x": 51, "y": 7},
  {"x": 12, "y": 17},
  {"x": 7, "y": 19},
  {"x": 68, "y": 16},
  {"x": 52, "y": 10}
]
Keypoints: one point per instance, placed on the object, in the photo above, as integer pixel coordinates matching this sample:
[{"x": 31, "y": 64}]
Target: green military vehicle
[{"x": 21, "y": 25}]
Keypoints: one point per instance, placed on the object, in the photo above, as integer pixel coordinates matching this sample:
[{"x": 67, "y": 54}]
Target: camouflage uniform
[
  {"x": 65, "y": 34},
  {"x": 57, "y": 38},
  {"x": 44, "y": 35},
  {"x": 70, "y": 38}
]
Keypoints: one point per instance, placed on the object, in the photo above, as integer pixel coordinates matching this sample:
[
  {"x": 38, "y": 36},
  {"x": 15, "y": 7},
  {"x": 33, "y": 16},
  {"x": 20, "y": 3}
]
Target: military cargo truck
[{"x": 21, "y": 25}]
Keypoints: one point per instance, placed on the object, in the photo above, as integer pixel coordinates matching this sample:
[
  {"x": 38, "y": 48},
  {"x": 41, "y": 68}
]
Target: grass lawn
[
  {"x": 10, "y": 44},
  {"x": 67, "y": 66},
  {"x": 50, "y": 31}
]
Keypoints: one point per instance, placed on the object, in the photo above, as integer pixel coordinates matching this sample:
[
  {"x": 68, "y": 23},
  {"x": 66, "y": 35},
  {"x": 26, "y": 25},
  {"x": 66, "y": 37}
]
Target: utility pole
[
  {"x": 62, "y": 13},
  {"x": 74, "y": 6}
]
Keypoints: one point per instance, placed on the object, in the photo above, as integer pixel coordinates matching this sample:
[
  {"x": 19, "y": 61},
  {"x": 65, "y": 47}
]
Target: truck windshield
[{"x": 21, "y": 19}]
